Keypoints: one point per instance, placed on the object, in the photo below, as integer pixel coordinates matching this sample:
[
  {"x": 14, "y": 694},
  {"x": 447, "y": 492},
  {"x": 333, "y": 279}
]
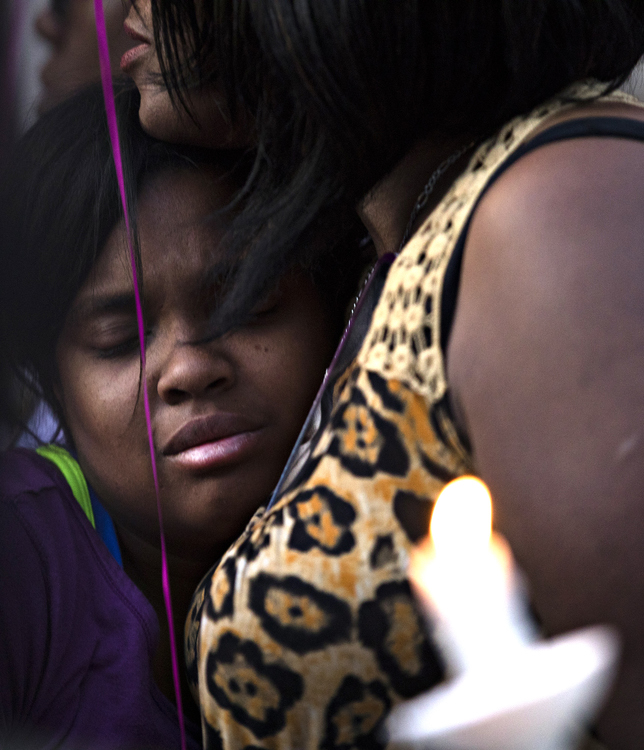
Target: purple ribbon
[{"x": 110, "y": 110}]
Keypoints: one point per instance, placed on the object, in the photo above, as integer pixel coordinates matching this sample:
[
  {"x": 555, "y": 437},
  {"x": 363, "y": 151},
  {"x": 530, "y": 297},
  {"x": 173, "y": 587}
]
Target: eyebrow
[
  {"x": 216, "y": 278},
  {"x": 97, "y": 304},
  {"x": 102, "y": 304}
]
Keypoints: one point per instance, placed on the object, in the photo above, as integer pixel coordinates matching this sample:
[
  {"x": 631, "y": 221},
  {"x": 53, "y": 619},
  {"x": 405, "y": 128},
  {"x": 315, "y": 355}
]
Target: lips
[
  {"x": 133, "y": 54},
  {"x": 207, "y": 430},
  {"x": 138, "y": 36}
]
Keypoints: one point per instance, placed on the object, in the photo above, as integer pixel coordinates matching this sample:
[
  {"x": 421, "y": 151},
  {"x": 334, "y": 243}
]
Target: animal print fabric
[
  {"x": 306, "y": 634},
  {"x": 404, "y": 340}
]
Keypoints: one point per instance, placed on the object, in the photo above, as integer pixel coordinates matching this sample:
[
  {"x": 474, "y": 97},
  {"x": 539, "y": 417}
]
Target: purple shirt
[{"x": 77, "y": 637}]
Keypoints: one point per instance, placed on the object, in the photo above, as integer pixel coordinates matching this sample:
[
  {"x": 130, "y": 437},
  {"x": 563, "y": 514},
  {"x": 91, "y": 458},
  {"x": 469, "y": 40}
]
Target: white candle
[
  {"x": 508, "y": 692},
  {"x": 466, "y": 577}
]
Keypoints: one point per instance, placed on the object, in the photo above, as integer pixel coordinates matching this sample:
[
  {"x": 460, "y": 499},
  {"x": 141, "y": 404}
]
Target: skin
[
  {"x": 386, "y": 209},
  {"x": 73, "y": 60},
  {"x": 212, "y": 125},
  {"x": 545, "y": 365},
  {"x": 546, "y": 361},
  {"x": 266, "y": 372}
]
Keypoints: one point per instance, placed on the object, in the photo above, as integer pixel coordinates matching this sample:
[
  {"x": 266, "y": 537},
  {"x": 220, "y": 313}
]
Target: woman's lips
[
  {"x": 132, "y": 55},
  {"x": 216, "y": 440},
  {"x": 218, "y": 453},
  {"x": 134, "y": 33}
]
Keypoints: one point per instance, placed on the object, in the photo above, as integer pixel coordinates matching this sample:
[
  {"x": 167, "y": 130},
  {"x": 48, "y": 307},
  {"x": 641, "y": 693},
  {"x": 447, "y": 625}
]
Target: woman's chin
[
  {"x": 208, "y": 127},
  {"x": 160, "y": 118}
]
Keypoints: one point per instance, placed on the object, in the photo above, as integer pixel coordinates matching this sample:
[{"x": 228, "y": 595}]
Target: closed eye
[
  {"x": 113, "y": 339},
  {"x": 269, "y": 304},
  {"x": 122, "y": 349}
]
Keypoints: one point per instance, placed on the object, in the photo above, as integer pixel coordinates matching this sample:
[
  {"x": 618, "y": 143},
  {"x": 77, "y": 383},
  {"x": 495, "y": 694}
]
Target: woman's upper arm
[{"x": 546, "y": 365}]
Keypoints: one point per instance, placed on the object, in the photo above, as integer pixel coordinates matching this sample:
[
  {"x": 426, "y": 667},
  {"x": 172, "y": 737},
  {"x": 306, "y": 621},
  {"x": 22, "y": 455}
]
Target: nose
[
  {"x": 48, "y": 25},
  {"x": 194, "y": 370}
]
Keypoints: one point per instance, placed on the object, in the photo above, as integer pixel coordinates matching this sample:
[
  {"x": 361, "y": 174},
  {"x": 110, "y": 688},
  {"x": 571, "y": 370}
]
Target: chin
[
  {"x": 158, "y": 116},
  {"x": 161, "y": 119}
]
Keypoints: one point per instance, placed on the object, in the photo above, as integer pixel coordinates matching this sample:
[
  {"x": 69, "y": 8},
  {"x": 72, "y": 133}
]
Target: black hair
[
  {"x": 59, "y": 202},
  {"x": 342, "y": 89}
]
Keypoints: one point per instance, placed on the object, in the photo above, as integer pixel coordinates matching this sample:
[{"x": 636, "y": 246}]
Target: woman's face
[
  {"x": 211, "y": 125},
  {"x": 225, "y": 414}
]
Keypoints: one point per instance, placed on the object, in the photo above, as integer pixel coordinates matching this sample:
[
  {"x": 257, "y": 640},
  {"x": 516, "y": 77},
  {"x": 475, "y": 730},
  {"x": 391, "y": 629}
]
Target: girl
[
  {"x": 480, "y": 140},
  {"x": 84, "y": 652}
]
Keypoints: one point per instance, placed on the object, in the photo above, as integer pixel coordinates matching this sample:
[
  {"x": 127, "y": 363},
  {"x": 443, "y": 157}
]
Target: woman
[
  {"x": 508, "y": 339},
  {"x": 85, "y": 644}
]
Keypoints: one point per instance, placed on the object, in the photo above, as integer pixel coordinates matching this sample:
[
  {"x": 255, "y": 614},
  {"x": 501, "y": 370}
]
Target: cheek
[
  {"x": 106, "y": 424},
  {"x": 293, "y": 368},
  {"x": 98, "y": 403}
]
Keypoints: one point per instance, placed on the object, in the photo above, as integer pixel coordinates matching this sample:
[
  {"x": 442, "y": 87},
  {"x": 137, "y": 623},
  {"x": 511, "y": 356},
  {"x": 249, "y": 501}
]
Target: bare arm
[{"x": 546, "y": 361}]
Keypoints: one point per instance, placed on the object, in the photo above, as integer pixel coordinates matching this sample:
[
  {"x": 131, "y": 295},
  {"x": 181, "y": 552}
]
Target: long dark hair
[{"x": 341, "y": 89}]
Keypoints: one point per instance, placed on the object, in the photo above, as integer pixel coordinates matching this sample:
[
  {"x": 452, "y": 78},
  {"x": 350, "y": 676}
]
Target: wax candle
[
  {"x": 508, "y": 691},
  {"x": 464, "y": 573}
]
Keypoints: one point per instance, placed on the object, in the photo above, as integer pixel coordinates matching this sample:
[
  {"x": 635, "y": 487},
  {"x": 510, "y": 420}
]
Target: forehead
[{"x": 181, "y": 225}]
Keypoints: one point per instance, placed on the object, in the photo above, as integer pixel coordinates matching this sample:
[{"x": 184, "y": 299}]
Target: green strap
[{"x": 72, "y": 472}]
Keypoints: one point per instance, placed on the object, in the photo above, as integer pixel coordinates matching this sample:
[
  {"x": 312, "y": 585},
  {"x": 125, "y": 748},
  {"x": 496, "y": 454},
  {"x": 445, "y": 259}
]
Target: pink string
[{"x": 110, "y": 108}]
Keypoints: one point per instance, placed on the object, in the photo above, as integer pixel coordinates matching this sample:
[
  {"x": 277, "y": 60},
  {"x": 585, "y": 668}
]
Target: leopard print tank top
[{"x": 306, "y": 634}]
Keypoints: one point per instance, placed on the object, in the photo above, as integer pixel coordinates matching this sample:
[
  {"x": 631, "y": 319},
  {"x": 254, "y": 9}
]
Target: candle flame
[{"x": 461, "y": 522}]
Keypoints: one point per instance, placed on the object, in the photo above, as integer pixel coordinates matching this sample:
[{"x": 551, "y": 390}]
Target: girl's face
[
  {"x": 210, "y": 125},
  {"x": 225, "y": 414}
]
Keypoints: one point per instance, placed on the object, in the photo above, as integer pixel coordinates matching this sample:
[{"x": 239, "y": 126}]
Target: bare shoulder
[
  {"x": 551, "y": 303},
  {"x": 546, "y": 364},
  {"x": 561, "y": 233},
  {"x": 566, "y": 188}
]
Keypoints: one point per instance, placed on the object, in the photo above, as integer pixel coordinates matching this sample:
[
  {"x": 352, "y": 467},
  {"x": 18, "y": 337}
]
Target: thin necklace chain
[
  {"x": 420, "y": 204},
  {"x": 366, "y": 281},
  {"x": 429, "y": 189}
]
